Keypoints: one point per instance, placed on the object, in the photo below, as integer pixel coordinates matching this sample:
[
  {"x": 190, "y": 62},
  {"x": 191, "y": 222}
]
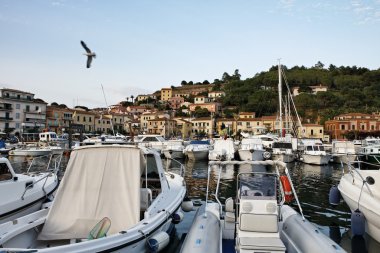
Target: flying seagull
[{"x": 89, "y": 54}]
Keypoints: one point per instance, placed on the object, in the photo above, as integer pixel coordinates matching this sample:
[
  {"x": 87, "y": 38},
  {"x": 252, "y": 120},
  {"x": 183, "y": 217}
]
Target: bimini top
[{"x": 100, "y": 181}]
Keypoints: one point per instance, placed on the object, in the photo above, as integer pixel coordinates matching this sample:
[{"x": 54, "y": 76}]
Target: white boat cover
[{"x": 100, "y": 181}]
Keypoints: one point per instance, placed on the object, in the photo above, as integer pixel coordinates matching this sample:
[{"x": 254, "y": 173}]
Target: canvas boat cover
[{"x": 100, "y": 181}]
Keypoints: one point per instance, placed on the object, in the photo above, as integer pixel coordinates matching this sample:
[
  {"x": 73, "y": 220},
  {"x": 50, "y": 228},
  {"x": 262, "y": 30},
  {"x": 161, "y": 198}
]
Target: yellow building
[
  {"x": 162, "y": 126},
  {"x": 247, "y": 115},
  {"x": 184, "y": 128},
  {"x": 84, "y": 118},
  {"x": 103, "y": 123},
  {"x": 166, "y": 93},
  {"x": 202, "y": 125},
  {"x": 250, "y": 125},
  {"x": 311, "y": 131},
  {"x": 228, "y": 125},
  {"x": 146, "y": 116}
]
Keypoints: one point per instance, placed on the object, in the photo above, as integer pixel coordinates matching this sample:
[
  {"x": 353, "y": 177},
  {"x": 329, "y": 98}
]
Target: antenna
[{"x": 105, "y": 99}]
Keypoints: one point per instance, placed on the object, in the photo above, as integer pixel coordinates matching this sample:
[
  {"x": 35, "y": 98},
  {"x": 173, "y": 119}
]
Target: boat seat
[
  {"x": 230, "y": 210},
  {"x": 263, "y": 223},
  {"x": 145, "y": 198},
  {"x": 270, "y": 244}
]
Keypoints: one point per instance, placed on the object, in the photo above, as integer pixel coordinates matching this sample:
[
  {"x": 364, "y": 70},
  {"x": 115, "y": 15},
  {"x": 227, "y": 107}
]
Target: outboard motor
[{"x": 334, "y": 196}]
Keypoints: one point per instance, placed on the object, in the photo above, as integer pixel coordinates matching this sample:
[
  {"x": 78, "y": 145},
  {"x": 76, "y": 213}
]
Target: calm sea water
[{"x": 312, "y": 184}]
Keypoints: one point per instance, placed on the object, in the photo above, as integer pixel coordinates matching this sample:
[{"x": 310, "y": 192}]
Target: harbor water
[{"x": 311, "y": 182}]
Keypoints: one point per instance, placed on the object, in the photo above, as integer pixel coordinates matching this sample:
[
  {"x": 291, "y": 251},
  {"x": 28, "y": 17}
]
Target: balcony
[
  {"x": 6, "y": 119},
  {"x": 6, "y": 108}
]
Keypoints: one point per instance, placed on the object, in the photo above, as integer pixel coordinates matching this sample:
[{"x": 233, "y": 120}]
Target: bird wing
[
  {"x": 85, "y": 47},
  {"x": 89, "y": 60}
]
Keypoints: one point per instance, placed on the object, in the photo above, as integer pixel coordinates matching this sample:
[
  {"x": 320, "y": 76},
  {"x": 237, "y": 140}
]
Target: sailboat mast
[{"x": 280, "y": 94}]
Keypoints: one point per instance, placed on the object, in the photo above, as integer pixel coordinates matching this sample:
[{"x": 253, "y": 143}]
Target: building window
[
  {"x": 17, "y": 106},
  {"x": 37, "y": 108},
  {"x": 372, "y": 127},
  {"x": 342, "y": 127},
  {"x": 17, "y": 115},
  {"x": 78, "y": 118},
  {"x": 363, "y": 127},
  {"x": 352, "y": 127},
  {"x": 320, "y": 131},
  {"x": 84, "y": 119},
  {"x": 89, "y": 119},
  {"x": 17, "y": 125},
  {"x": 27, "y": 108}
]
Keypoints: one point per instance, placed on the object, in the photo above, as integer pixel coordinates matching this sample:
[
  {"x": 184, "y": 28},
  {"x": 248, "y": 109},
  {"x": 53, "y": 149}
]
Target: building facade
[{"x": 20, "y": 112}]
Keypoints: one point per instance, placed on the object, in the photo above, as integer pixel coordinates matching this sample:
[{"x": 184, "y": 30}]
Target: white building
[{"x": 21, "y": 112}]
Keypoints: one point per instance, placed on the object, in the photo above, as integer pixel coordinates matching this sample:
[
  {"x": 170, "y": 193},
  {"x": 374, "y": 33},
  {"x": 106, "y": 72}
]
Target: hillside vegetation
[{"x": 350, "y": 89}]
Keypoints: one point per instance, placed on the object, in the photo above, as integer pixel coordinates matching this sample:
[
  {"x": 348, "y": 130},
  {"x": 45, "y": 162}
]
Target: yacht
[
  {"x": 313, "y": 152},
  {"x": 151, "y": 140},
  {"x": 283, "y": 151},
  {"x": 252, "y": 149},
  {"x": 222, "y": 150},
  {"x": 197, "y": 150},
  {"x": 343, "y": 152},
  {"x": 174, "y": 149}
]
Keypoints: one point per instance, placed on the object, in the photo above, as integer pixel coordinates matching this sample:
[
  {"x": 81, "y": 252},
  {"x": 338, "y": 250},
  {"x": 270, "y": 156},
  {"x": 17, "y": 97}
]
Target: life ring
[
  {"x": 287, "y": 188},
  {"x": 267, "y": 155}
]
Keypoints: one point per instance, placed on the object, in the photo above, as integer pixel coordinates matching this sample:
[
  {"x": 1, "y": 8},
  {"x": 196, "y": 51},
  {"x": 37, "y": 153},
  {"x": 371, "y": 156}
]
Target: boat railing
[
  {"x": 182, "y": 168},
  {"x": 276, "y": 164},
  {"x": 55, "y": 158},
  {"x": 29, "y": 186},
  {"x": 352, "y": 169}
]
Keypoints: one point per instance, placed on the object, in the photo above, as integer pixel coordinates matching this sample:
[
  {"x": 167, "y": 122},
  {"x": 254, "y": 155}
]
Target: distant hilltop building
[
  {"x": 314, "y": 89},
  {"x": 184, "y": 91}
]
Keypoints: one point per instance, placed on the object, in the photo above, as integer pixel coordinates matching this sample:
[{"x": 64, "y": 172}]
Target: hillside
[{"x": 350, "y": 89}]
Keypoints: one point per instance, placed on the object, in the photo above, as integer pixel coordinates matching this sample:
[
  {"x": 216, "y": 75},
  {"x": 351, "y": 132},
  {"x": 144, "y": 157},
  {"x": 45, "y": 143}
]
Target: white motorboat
[
  {"x": 252, "y": 149},
  {"x": 222, "y": 150},
  {"x": 257, "y": 220},
  {"x": 283, "y": 151},
  {"x": 360, "y": 189},
  {"x": 313, "y": 152},
  {"x": 151, "y": 140},
  {"x": 343, "y": 152},
  {"x": 197, "y": 150},
  {"x": 105, "y": 140},
  {"x": 111, "y": 198},
  {"x": 174, "y": 150},
  {"x": 30, "y": 151},
  {"x": 25, "y": 193}
]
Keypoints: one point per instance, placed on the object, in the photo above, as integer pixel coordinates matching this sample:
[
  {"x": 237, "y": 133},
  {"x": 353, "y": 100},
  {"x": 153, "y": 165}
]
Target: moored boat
[
  {"x": 257, "y": 220},
  {"x": 24, "y": 193},
  {"x": 112, "y": 198},
  {"x": 197, "y": 150},
  {"x": 361, "y": 192}
]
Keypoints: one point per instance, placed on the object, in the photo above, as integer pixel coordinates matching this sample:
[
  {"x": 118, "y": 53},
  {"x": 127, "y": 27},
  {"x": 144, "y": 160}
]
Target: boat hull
[
  {"x": 247, "y": 155},
  {"x": 201, "y": 155},
  {"x": 346, "y": 159},
  {"x": 351, "y": 189},
  {"x": 315, "y": 159},
  {"x": 286, "y": 158},
  {"x": 174, "y": 154},
  {"x": 30, "y": 152}
]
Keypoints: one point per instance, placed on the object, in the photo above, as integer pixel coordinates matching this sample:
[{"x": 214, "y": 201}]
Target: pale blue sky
[{"x": 142, "y": 46}]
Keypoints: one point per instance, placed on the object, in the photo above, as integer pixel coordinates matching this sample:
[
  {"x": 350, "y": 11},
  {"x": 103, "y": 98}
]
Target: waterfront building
[
  {"x": 204, "y": 125},
  {"x": 250, "y": 125},
  {"x": 226, "y": 126},
  {"x": 311, "y": 131},
  {"x": 21, "y": 112},
  {"x": 145, "y": 117},
  {"x": 84, "y": 119},
  {"x": 162, "y": 126},
  {"x": 340, "y": 125},
  {"x": 184, "y": 127},
  {"x": 58, "y": 118},
  {"x": 247, "y": 115}
]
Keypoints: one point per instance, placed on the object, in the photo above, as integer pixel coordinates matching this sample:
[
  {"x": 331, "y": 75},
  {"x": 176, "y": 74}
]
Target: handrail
[
  {"x": 182, "y": 167},
  {"x": 35, "y": 182},
  {"x": 353, "y": 169},
  {"x": 54, "y": 172}
]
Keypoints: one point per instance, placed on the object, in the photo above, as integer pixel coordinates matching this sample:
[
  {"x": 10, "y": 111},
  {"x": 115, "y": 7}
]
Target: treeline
[{"x": 350, "y": 89}]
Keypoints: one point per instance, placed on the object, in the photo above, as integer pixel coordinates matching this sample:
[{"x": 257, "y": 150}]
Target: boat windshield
[
  {"x": 284, "y": 145},
  {"x": 257, "y": 186},
  {"x": 5, "y": 173}
]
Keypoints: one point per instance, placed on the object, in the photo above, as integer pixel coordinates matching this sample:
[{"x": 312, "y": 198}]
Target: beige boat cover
[{"x": 99, "y": 182}]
